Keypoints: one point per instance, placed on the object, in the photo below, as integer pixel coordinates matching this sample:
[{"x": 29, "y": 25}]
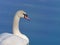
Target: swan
[{"x": 17, "y": 38}]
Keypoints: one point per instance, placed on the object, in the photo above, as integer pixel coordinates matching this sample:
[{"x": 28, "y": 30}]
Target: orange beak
[{"x": 26, "y": 17}]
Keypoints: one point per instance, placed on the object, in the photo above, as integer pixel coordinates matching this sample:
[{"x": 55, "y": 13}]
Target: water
[{"x": 44, "y": 27}]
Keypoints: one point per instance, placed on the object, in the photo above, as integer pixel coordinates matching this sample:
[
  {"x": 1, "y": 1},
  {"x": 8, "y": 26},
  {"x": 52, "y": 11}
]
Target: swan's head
[{"x": 22, "y": 14}]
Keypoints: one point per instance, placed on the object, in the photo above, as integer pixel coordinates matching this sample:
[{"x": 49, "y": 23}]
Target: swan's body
[{"x": 17, "y": 38}]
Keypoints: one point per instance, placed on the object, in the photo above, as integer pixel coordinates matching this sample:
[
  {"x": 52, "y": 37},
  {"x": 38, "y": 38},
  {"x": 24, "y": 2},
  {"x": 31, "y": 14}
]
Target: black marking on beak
[{"x": 25, "y": 15}]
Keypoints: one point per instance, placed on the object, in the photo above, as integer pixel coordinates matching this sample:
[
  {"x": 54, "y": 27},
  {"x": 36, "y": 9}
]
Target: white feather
[{"x": 17, "y": 38}]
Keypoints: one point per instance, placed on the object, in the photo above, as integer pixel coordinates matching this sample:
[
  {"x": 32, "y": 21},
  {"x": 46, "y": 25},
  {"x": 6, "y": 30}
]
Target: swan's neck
[
  {"x": 16, "y": 30},
  {"x": 16, "y": 25}
]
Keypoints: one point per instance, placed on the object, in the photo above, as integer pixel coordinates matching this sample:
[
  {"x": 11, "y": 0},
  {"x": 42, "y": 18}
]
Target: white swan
[{"x": 17, "y": 38}]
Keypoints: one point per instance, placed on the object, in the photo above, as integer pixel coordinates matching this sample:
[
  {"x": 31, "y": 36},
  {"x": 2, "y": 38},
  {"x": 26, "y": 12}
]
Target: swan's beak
[{"x": 26, "y": 17}]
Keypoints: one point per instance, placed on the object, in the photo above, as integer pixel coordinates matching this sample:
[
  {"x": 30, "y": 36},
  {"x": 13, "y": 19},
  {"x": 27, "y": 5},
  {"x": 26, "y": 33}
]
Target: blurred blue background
[{"x": 44, "y": 27}]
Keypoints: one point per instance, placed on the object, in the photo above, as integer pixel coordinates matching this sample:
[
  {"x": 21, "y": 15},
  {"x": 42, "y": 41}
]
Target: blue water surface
[{"x": 44, "y": 27}]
